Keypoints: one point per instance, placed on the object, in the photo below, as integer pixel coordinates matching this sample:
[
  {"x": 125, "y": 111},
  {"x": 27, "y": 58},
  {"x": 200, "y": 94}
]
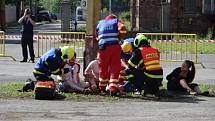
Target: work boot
[
  {"x": 31, "y": 60},
  {"x": 121, "y": 90},
  {"x": 112, "y": 91}
]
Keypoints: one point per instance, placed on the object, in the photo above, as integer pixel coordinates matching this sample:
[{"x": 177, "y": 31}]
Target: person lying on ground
[{"x": 70, "y": 80}]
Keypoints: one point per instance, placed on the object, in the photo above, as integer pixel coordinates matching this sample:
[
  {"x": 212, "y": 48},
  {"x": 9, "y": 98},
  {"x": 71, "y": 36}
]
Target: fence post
[{"x": 2, "y": 46}]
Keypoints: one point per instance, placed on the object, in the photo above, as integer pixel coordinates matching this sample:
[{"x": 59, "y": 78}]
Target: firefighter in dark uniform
[
  {"x": 52, "y": 62},
  {"x": 144, "y": 67}
]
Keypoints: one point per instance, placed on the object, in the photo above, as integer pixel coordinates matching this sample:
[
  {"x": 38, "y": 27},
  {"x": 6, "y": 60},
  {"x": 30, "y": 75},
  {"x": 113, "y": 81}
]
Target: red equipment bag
[{"x": 45, "y": 90}]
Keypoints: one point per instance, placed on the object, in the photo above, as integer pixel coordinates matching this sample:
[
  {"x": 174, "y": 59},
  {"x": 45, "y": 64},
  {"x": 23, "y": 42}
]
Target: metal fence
[
  {"x": 2, "y": 43},
  {"x": 175, "y": 46},
  {"x": 2, "y": 46},
  {"x": 172, "y": 46},
  {"x": 48, "y": 40}
]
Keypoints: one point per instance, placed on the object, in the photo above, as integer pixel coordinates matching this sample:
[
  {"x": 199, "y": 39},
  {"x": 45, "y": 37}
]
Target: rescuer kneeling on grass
[
  {"x": 144, "y": 68},
  {"x": 52, "y": 62},
  {"x": 127, "y": 50}
]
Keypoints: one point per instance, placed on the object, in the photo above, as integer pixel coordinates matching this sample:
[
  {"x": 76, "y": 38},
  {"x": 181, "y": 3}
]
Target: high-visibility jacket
[
  {"x": 147, "y": 58},
  {"x": 108, "y": 32},
  {"x": 118, "y": 32},
  {"x": 150, "y": 58},
  {"x": 151, "y": 62},
  {"x": 49, "y": 63}
]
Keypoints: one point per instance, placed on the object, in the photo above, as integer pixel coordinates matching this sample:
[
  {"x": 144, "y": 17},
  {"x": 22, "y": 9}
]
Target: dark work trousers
[
  {"x": 152, "y": 85},
  {"x": 143, "y": 82},
  {"x": 27, "y": 40},
  {"x": 41, "y": 77},
  {"x": 138, "y": 78}
]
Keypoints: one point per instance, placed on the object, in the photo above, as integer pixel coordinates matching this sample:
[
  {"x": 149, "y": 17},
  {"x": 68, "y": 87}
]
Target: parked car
[
  {"x": 80, "y": 14},
  {"x": 53, "y": 16},
  {"x": 44, "y": 15}
]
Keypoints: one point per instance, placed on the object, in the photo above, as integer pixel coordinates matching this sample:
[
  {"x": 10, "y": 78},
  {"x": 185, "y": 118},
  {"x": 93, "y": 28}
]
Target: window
[
  {"x": 190, "y": 6},
  {"x": 208, "y": 6},
  {"x": 80, "y": 12}
]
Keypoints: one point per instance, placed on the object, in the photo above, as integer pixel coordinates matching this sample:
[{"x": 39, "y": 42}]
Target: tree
[
  {"x": 74, "y": 4},
  {"x": 55, "y": 5},
  {"x": 51, "y": 5},
  {"x": 117, "y": 5},
  {"x": 11, "y": 1},
  {"x": 2, "y": 15}
]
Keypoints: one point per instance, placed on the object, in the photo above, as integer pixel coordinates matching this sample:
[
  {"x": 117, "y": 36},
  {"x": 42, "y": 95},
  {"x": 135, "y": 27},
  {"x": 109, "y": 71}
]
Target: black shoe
[
  {"x": 23, "y": 61},
  {"x": 31, "y": 60}
]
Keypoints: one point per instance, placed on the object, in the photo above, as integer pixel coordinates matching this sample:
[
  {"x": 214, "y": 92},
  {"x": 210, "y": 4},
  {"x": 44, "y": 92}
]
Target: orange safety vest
[{"x": 150, "y": 58}]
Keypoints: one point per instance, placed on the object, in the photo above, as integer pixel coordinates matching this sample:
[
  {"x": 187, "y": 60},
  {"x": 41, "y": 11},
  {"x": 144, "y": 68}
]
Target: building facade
[{"x": 186, "y": 16}]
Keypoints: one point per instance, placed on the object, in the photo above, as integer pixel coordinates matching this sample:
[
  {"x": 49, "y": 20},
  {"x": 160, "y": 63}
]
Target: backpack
[{"x": 45, "y": 90}]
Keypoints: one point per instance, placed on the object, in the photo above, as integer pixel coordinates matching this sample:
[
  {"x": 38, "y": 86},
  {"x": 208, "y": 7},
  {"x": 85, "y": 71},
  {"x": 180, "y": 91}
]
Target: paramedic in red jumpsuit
[{"x": 109, "y": 32}]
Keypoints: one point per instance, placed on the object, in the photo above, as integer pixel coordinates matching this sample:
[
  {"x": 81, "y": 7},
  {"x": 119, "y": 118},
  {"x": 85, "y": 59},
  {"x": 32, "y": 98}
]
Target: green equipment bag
[{"x": 45, "y": 90}]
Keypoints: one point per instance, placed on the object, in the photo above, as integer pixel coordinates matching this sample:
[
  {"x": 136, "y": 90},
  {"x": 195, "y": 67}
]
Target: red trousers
[{"x": 109, "y": 66}]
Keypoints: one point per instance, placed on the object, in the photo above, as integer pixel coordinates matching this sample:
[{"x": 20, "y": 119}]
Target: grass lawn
[
  {"x": 9, "y": 90},
  {"x": 202, "y": 48}
]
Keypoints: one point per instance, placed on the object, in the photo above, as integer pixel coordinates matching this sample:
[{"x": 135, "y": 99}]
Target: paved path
[{"x": 184, "y": 109}]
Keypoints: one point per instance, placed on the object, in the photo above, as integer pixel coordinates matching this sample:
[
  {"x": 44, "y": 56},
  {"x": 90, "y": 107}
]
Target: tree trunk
[{"x": 2, "y": 15}]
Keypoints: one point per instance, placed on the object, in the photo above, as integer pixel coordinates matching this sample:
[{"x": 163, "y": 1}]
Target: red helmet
[{"x": 111, "y": 16}]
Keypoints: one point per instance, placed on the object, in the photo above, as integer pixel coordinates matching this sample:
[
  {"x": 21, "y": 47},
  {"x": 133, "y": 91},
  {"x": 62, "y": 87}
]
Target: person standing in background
[{"x": 27, "y": 35}]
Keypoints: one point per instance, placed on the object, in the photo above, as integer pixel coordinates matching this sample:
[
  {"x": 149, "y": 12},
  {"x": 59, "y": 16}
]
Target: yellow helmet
[
  {"x": 127, "y": 47},
  {"x": 67, "y": 52},
  {"x": 140, "y": 40}
]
